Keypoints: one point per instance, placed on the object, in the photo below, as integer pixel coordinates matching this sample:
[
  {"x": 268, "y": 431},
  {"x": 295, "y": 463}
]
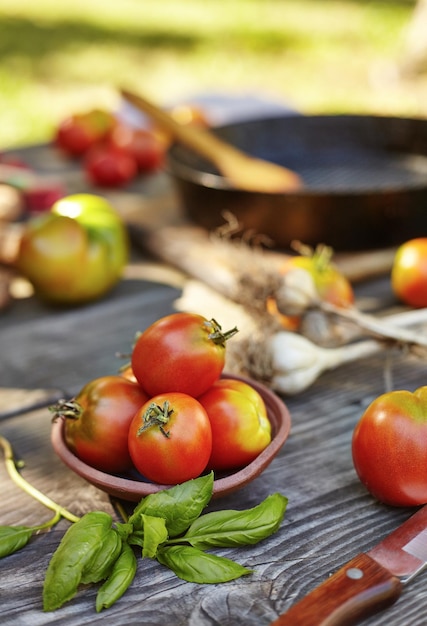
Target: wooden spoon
[{"x": 243, "y": 171}]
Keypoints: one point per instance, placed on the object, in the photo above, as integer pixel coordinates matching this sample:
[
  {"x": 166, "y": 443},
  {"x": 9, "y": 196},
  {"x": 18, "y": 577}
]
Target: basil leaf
[
  {"x": 137, "y": 538},
  {"x": 155, "y": 533},
  {"x": 197, "y": 566},
  {"x": 120, "y": 578},
  {"x": 237, "y": 528},
  {"x": 179, "y": 506},
  {"x": 13, "y": 538},
  {"x": 124, "y": 529},
  {"x": 108, "y": 551},
  {"x": 74, "y": 555}
]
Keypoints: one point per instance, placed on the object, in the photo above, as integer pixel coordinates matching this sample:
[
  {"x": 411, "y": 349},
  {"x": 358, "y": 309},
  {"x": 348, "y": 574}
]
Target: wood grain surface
[{"x": 330, "y": 516}]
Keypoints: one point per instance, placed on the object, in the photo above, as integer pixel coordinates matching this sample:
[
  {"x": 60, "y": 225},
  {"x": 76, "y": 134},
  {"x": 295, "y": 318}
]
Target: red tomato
[
  {"x": 241, "y": 429},
  {"x": 97, "y": 422},
  {"x": 108, "y": 166},
  {"x": 409, "y": 272},
  {"x": 79, "y": 132},
  {"x": 180, "y": 352},
  {"x": 390, "y": 448},
  {"x": 170, "y": 439},
  {"x": 145, "y": 147}
]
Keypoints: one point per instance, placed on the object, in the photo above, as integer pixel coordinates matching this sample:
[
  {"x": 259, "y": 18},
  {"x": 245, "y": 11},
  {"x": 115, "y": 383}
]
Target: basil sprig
[{"x": 167, "y": 526}]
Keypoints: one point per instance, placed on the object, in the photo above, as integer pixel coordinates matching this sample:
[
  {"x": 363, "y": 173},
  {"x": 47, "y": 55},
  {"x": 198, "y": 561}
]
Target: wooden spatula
[{"x": 242, "y": 170}]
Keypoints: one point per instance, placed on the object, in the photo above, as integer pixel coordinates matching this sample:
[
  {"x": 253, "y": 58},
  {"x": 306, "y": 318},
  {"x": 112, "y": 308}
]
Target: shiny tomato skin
[
  {"x": 179, "y": 449},
  {"x": 409, "y": 273},
  {"x": 241, "y": 429},
  {"x": 76, "y": 252},
  {"x": 389, "y": 448},
  {"x": 178, "y": 353},
  {"x": 107, "y": 166},
  {"x": 144, "y": 146},
  {"x": 77, "y": 133},
  {"x": 331, "y": 285},
  {"x": 99, "y": 436}
]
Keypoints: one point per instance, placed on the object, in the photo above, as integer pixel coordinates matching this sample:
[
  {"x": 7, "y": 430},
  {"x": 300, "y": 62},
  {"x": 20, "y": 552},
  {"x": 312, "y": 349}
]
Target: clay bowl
[
  {"x": 134, "y": 487},
  {"x": 365, "y": 180}
]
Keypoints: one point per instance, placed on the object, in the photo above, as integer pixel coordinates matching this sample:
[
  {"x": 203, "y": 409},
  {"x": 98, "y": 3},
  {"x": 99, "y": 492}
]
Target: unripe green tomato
[{"x": 76, "y": 252}]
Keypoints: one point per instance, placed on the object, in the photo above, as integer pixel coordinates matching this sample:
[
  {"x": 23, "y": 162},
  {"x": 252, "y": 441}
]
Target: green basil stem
[
  {"x": 118, "y": 506},
  {"x": 28, "y": 488}
]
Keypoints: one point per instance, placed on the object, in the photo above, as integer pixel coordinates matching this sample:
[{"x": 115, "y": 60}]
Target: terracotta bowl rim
[{"x": 134, "y": 490}]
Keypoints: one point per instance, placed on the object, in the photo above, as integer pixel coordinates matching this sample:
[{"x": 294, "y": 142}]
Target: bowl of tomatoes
[
  {"x": 132, "y": 485},
  {"x": 171, "y": 416}
]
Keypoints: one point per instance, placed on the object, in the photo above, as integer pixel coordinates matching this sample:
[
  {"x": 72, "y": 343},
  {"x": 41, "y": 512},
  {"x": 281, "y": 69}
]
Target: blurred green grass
[{"x": 318, "y": 55}]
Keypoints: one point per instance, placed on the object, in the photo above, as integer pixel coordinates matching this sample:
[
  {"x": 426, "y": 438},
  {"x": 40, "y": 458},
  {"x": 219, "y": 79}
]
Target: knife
[{"x": 368, "y": 583}]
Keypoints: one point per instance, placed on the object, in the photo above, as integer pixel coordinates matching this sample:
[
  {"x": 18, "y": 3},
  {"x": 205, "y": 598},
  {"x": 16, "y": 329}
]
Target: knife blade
[{"x": 368, "y": 583}]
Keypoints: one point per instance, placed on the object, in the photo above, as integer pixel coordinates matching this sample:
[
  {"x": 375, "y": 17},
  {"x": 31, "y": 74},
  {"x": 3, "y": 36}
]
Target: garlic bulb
[{"x": 297, "y": 362}]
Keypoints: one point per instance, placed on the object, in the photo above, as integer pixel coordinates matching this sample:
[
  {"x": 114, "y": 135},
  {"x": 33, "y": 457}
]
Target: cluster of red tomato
[
  {"x": 113, "y": 152},
  {"x": 170, "y": 415}
]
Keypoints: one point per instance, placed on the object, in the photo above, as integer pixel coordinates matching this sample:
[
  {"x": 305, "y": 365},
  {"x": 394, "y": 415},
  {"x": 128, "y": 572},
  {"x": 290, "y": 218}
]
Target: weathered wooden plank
[{"x": 330, "y": 518}]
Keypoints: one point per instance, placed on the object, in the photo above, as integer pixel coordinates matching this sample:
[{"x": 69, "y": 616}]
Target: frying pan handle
[{"x": 360, "y": 588}]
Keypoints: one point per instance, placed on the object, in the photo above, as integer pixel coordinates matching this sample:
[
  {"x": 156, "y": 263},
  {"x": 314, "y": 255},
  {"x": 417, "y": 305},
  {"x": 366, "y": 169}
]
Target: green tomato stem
[
  {"x": 217, "y": 335},
  {"x": 156, "y": 415},
  {"x": 66, "y": 408},
  {"x": 28, "y": 488}
]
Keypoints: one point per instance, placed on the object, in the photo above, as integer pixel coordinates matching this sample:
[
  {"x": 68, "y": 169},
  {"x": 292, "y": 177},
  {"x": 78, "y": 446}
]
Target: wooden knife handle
[{"x": 360, "y": 588}]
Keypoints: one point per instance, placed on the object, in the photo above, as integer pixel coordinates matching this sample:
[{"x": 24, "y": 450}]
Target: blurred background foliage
[{"x": 317, "y": 55}]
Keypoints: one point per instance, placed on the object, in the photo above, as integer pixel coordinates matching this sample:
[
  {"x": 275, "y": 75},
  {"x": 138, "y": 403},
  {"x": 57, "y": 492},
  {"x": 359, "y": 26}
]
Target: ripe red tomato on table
[
  {"x": 240, "y": 426},
  {"x": 170, "y": 438},
  {"x": 389, "y": 448},
  {"x": 144, "y": 146},
  {"x": 80, "y": 131},
  {"x": 182, "y": 352},
  {"x": 409, "y": 272},
  {"x": 108, "y": 166},
  {"x": 97, "y": 422}
]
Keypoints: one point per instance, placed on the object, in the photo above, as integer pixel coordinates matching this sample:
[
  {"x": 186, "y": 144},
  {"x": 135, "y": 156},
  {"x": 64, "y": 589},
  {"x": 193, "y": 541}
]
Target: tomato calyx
[
  {"x": 216, "y": 333},
  {"x": 156, "y": 415},
  {"x": 321, "y": 256},
  {"x": 69, "y": 409}
]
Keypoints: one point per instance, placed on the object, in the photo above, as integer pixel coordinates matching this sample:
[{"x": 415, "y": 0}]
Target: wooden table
[{"x": 330, "y": 516}]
